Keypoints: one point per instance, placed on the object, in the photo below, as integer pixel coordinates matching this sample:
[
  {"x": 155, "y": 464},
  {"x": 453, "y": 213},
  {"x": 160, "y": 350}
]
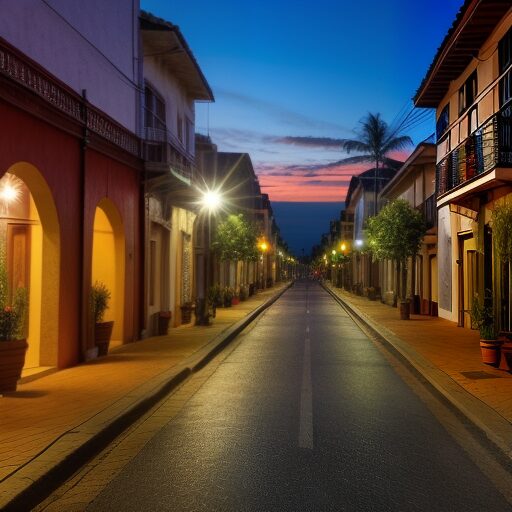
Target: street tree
[
  {"x": 236, "y": 239},
  {"x": 395, "y": 234}
]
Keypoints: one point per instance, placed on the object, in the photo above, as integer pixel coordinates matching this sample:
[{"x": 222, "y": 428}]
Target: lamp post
[
  {"x": 263, "y": 247},
  {"x": 211, "y": 201}
]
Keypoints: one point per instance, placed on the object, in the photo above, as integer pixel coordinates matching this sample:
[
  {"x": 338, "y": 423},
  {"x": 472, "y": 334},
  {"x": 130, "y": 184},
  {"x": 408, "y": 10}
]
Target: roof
[
  {"x": 367, "y": 179},
  {"x": 425, "y": 152},
  {"x": 163, "y": 39},
  {"x": 473, "y": 24}
]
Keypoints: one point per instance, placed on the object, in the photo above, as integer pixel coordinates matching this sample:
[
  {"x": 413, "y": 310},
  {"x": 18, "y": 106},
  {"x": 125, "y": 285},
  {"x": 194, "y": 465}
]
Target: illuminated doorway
[
  {"x": 108, "y": 263},
  {"x": 30, "y": 243}
]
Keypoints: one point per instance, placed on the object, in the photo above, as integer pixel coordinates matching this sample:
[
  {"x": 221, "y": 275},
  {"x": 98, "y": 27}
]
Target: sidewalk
[
  {"x": 49, "y": 420},
  {"x": 449, "y": 358}
]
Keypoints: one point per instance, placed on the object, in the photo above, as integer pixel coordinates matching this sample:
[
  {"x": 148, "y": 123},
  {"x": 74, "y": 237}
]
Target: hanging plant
[{"x": 502, "y": 231}]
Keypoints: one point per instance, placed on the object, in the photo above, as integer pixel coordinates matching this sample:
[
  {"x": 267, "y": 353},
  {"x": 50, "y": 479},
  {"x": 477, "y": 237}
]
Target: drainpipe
[{"x": 84, "y": 289}]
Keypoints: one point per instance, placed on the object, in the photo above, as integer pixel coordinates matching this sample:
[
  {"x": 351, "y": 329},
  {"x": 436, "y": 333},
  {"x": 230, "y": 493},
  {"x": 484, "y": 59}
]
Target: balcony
[
  {"x": 164, "y": 152},
  {"x": 486, "y": 149}
]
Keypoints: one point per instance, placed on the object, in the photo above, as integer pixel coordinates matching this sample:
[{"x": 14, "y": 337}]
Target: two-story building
[
  {"x": 415, "y": 182},
  {"x": 470, "y": 85},
  {"x": 70, "y": 166},
  {"x": 361, "y": 202},
  {"x": 172, "y": 82}
]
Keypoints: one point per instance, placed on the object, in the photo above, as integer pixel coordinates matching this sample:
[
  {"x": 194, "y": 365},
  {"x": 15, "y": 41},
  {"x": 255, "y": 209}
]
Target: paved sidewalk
[
  {"x": 47, "y": 419},
  {"x": 444, "y": 353}
]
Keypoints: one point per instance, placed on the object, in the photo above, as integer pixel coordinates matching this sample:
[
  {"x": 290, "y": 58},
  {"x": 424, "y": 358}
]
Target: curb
[
  {"x": 24, "y": 489},
  {"x": 484, "y": 418}
]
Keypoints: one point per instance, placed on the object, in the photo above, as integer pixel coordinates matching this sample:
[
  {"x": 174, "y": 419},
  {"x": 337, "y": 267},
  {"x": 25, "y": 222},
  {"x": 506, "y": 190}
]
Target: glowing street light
[
  {"x": 359, "y": 243},
  {"x": 343, "y": 247},
  {"x": 211, "y": 200}
]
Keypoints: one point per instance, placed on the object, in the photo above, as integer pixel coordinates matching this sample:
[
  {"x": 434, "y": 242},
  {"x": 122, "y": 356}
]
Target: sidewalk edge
[
  {"x": 74, "y": 448},
  {"x": 489, "y": 422}
]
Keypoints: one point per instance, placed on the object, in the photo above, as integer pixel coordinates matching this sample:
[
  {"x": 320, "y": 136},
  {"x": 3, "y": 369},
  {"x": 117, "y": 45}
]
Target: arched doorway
[
  {"x": 108, "y": 262},
  {"x": 30, "y": 238}
]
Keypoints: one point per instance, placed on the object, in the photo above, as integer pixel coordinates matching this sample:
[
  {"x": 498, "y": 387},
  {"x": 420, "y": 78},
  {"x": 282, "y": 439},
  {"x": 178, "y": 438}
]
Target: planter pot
[
  {"x": 235, "y": 301},
  {"x": 186, "y": 314},
  {"x": 12, "y": 359},
  {"x": 164, "y": 318},
  {"x": 506, "y": 357},
  {"x": 491, "y": 352},
  {"x": 405, "y": 309},
  {"x": 102, "y": 334}
]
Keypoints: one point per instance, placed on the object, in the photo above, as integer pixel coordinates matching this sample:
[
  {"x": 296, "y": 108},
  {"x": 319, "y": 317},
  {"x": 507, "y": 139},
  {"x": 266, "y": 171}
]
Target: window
[
  {"x": 443, "y": 121},
  {"x": 189, "y": 135},
  {"x": 179, "y": 124},
  {"x": 467, "y": 93},
  {"x": 505, "y": 61},
  {"x": 505, "y": 51},
  {"x": 154, "y": 109}
]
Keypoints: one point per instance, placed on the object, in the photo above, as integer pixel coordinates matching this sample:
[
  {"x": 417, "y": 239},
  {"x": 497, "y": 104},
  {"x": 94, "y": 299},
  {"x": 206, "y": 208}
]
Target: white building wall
[
  {"x": 175, "y": 97},
  {"x": 87, "y": 44}
]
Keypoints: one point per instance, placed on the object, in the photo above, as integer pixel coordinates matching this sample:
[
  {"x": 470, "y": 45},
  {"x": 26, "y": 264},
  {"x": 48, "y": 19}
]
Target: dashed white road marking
[{"x": 306, "y": 401}]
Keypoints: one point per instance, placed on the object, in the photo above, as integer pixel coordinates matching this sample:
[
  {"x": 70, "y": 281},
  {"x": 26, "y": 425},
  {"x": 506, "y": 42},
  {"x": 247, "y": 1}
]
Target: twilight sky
[{"x": 286, "y": 69}]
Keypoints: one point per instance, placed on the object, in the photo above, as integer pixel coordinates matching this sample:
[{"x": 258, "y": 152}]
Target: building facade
[{"x": 470, "y": 85}]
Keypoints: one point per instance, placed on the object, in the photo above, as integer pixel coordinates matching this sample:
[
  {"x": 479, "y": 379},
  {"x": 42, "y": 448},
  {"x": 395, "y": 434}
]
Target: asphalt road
[{"x": 305, "y": 414}]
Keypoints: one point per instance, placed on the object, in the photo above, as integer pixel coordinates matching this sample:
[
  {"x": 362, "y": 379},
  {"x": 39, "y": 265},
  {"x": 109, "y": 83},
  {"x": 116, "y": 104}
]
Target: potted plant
[
  {"x": 395, "y": 233},
  {"x": 13, "y": 342},
  {"x": 244, "y": 292},
  {"x": 482, "y": 317},
  {"x": 100, "y": 296},
  {"x": 228, "y": 295},
  {"x": 164, "y": 317},
  {"x": 186, "y": 312}
]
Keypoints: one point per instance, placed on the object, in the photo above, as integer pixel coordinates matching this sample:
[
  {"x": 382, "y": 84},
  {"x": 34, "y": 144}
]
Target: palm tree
[{"x": 375, "y": 140}]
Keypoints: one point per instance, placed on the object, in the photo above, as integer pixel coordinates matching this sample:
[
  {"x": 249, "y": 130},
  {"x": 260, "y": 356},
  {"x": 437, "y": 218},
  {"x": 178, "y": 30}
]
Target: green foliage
[
  {"x": 502, "y": 231},
  {"x": 99, "y": 297},
  {"x": 396, "y": 232},
  {"x": 374, "y": 140},
  {"x": 228, "y": 293},
  {"x": 215, "y": 295},
  {"x": 482, "y": 317},
  {"x": 236, "y": 239},
  {"x": 13, "y": 316}
]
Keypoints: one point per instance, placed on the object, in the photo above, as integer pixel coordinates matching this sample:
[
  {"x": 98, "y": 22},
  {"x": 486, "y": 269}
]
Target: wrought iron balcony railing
[
  {"x": 485, "y": 149},
  {"x": 162, "y": 148}
]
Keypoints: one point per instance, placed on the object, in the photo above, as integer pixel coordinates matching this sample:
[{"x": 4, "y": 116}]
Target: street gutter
[
  {"x": 35, "y": 480},
  {"x": 484, "y": 418}
]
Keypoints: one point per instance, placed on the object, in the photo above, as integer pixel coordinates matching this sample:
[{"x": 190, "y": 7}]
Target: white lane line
[
  {"x": 306, "y": 401},
  {"x": 307, "y": 328}
]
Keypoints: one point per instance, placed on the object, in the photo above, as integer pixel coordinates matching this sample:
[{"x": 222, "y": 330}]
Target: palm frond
[
  {"x": 356, "y": 160},
  {"x": 358, "y": 146},
  {"x": 397, "y": 143}
]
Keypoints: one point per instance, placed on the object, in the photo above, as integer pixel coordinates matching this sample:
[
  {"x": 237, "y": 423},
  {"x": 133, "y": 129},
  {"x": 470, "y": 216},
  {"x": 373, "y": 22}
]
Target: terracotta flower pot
[
  {"x": 102, "y": 334},
  {"x": 491, "y": 352},
  {"x": 164, "y": 318},
  {"x": 235, "y": 301},
  {"x": 12, "y": 360},
  {"x": 405, "y": 309}
]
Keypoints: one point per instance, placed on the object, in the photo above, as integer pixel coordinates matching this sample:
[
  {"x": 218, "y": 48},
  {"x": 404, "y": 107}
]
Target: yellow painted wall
[
  {"x": 108, "y": 267},
  {"x": 32, "y": 358}
]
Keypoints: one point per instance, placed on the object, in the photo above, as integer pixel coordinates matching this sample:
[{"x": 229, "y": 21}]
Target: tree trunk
[
  {"x": 403, "y": 291},
  {"x": 397, "y": 283}
]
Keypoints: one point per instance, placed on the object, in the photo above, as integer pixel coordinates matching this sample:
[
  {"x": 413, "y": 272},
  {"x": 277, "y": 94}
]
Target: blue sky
[{"x": 281, "y": 70}]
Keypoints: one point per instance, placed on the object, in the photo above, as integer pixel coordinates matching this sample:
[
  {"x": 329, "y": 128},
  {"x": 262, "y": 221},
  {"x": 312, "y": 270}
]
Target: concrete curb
[
  {"x": 495, "y": 427},
  {"x": 70, "y": 451}
]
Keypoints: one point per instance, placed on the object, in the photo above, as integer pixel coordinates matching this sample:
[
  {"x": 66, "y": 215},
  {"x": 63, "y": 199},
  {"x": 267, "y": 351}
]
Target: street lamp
[{"x": 211, "y": 201}]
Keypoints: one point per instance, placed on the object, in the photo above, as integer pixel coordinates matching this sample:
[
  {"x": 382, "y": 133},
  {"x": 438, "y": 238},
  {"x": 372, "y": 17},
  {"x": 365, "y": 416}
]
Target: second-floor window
[
  {"x": 179, "y": 126},
  {"x": 467, "y": 93},
  {"x": 505, "y": 61},
  {"x": 443, "y": 121},
  {"x": 154, "y": 109}
]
